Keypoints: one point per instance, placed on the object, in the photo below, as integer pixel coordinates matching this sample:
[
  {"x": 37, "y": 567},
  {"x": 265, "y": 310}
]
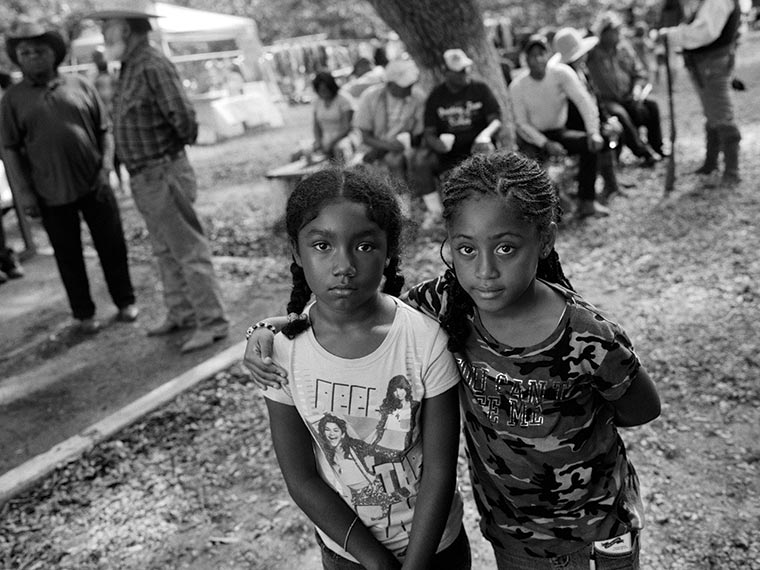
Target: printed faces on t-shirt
[{"x": 369, "y": 439}]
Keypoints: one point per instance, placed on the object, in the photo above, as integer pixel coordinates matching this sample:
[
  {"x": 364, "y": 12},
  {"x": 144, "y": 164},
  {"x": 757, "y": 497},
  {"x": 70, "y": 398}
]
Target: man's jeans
[{"x": 164, "y": 195}]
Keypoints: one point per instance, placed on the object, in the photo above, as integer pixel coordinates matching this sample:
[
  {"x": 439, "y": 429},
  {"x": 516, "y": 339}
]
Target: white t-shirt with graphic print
[{"x": 364, "y": 415}]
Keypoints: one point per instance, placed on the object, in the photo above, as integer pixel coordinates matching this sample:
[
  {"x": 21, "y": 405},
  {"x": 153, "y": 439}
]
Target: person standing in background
[
  {"x": 708, "y": 39},
  {"x": 153, "y": 122},
  {"x": 57, "y": 148},
  {"x": 9, "y": 265}
]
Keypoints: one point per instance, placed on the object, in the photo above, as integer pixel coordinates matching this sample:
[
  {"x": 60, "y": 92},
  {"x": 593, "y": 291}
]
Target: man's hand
[
  {"x": 595, "y": 142},
  {"x": 395, "y": 146},
  {"x": 486, "y": 147},
  {"x": 553, "y": 148},
  {"x": 31, "y": 210}
]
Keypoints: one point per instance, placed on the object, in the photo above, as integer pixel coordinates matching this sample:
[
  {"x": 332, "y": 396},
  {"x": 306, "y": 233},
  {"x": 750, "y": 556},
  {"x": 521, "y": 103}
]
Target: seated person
[
  {"x": 572, "y": 49},
  {"x": 619, "y": 78},
  {"x": 333, "y": 113},
  {"x": 363, "y": 76},
  {"x": 540, "y": 98},
  {"x": 460, "y": 106},
  {"x": 388, "y": 110}
]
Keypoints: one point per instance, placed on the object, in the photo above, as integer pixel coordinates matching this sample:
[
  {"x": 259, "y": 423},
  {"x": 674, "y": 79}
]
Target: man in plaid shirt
[{"x": 153, "y": 121}]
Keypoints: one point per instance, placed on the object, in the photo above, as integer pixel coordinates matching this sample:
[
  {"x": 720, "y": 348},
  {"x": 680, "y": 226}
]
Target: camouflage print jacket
[{"x": 548, "y": 467}]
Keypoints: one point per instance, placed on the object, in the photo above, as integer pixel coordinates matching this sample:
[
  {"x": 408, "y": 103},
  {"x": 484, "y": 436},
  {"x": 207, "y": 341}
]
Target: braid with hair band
[
  {"x": 394, "y": 279},
  {"x": 459, "y": 307},
  {"x": 299, "y": 297}
]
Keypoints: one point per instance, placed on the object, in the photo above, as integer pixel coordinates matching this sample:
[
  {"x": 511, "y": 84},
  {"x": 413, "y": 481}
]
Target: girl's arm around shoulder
[
  {"x": 427, "y": 297},
  {"x": 323, "y": 506},
  {"x": 440, "y": 446},
  {"x": 640, "y": 404}
]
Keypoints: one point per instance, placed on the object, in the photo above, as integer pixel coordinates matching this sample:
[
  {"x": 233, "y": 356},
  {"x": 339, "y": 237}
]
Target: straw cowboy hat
[
  {"x": 30, "y": 30},
  {"x": 571, "y": 45},
  {"x": 122, "y": 9}
]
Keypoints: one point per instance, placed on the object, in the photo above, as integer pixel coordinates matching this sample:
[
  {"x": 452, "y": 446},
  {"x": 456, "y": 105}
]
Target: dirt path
[{"x": 195, "y": 484}]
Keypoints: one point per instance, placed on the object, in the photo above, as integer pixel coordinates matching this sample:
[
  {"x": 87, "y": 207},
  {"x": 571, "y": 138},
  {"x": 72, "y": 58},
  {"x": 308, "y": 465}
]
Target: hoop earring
[{"x": 440, "y": 253}]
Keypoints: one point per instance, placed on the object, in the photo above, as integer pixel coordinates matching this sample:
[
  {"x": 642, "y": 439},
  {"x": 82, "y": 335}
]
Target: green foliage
[{"x": 336, "y": 18}]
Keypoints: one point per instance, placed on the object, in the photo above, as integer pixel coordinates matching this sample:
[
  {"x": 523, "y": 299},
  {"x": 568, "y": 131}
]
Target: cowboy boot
[
  {"x": 729, "y": 141},
  {"x": 606, "y": 165},
  {"x": 712, "y": 142}
]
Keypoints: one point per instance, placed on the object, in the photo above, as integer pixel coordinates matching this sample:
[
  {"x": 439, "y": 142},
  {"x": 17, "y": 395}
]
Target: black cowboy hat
[{"x": 27, "y": 30}]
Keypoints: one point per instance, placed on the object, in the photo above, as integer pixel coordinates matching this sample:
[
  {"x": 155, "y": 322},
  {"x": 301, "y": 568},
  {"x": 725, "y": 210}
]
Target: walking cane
[{"x": 670, "y": 172}]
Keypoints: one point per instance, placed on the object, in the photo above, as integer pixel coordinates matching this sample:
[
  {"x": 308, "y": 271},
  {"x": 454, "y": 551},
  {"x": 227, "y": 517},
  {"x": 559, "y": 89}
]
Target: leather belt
[{"x": 151, "y": 162}]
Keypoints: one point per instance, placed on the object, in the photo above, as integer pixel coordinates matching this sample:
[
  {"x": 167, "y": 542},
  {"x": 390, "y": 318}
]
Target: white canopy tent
[{"x": 184, "y": 35}]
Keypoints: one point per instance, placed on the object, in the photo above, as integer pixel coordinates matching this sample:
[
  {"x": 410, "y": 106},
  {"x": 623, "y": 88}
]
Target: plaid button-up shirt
[{"x": 152, "y": 115}]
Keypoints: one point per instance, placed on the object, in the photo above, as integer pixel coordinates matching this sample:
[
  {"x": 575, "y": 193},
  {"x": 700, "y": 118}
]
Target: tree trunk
[{"x": 430, "y": 27}]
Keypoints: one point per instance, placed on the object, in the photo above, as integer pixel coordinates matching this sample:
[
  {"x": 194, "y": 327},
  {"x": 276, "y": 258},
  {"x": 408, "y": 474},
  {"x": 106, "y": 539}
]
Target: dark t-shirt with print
[
  {"x": 464, "y": 114},
  {"x": 549, "y": 469}
]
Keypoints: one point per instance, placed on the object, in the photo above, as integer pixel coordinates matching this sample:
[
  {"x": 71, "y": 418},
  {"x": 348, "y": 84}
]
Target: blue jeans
[
  {"x": 574, "y": 142},
  {"x": 579, "y": 560},
  {"x": 456, "y": 556},
  {"x": 164, "y": 194}
]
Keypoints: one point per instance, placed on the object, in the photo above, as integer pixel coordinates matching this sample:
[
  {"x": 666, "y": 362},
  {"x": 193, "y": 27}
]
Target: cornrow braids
[
  {"x": 518, "y": 180},
  {"x": 526, "y": 187},
  {"x": 299, "y": 297},
  {"x": 456, "y": 317},
  {"x": 394, "y": 279},
  {"x": 550, "y": 269}
]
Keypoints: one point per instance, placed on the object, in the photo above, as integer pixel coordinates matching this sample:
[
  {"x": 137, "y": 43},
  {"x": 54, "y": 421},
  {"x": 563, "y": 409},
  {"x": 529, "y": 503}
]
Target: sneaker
[
  {"x": 201, "y": 339},
  {"x": 10, "y": 265},
  {"x": 128, "y": 314},
  {"x": 89, "y": 326},
  {"x": 168, "y": 327},
  {"x": 588, "y": 208},
  {"x": 3, "y": 277}
]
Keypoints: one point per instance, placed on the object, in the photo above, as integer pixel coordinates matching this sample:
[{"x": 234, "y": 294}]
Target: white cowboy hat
[
  {"x": 571, "y": 45},
  {"x": 107, "y": 9}
]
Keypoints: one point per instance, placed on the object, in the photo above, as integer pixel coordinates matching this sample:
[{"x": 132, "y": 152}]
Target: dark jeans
[
  {"x": 574, "y": 142},
  {"x": 456, "y": 557},
  {"x": 101, "y": 214},
  {"x": 634, "y": 115}
]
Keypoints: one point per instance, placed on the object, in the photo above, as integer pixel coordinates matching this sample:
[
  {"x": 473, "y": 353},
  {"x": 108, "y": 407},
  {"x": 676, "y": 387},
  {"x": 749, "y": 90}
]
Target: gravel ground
[{"x": 195, "y": 484}]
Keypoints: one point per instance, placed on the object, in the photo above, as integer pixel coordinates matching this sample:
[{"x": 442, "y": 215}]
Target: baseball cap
[
  {"x": 456, "y": 59},
  {"x": 402, "y": 72},
  {"x": 536, "y": 40}
]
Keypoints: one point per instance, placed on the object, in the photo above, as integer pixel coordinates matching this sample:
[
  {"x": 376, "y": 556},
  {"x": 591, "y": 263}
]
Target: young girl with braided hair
[
  {"x": 373, "y": 506},
  {"x": 547, "y": 378}
]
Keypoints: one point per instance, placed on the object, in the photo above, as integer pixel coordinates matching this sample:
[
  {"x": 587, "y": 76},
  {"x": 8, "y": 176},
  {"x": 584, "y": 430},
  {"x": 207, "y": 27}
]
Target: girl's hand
[{"x": 258, "y": 360}]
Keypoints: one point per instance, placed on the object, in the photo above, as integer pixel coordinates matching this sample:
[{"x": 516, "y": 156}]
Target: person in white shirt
[
  {"x": 708, "y": 40},
  {"x": 540, "y": 101}
]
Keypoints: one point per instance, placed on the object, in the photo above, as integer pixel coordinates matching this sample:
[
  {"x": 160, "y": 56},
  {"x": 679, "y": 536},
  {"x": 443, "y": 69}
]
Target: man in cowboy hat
[
  {"x": 540, "y": 97},
  {"x": 389, "y": 115},
  {"x": 708, "y": 37},
  {"x": 153, "y": 122},
  {"x": 58, "y": 150},
  {"x": 620, "y": 78},
  {"x": 463, "y": 109},
  {"x": 571, "y": 48}
]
